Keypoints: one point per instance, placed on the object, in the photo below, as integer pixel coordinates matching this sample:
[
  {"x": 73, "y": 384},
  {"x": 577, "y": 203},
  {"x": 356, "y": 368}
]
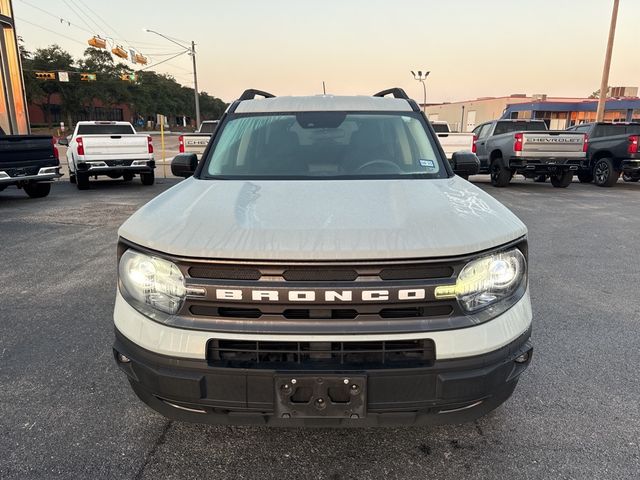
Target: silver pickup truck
[{"x": 507, "y": 147}]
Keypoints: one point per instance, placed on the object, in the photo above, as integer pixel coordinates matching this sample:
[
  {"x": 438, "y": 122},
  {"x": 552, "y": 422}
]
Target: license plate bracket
[{"x": 320, "y": 396}]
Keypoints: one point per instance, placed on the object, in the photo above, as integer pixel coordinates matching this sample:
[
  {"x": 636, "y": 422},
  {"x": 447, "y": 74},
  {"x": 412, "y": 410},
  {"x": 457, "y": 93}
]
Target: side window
[{"x": 484, "y": 130}]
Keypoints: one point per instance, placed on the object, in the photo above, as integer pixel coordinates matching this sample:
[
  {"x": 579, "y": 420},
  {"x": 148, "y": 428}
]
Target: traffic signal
[
  {"x": 97, "y": 42},
  {"x": 120, "y": 52},
  {"x": 129, "y": 77},
  {"x": 45, "y": 75},
  {"x": 88, "y": 77}
]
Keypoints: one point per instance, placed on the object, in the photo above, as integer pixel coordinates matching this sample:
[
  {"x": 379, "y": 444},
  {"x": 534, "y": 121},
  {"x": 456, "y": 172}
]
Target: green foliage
[{"x": 152, "y": 94}]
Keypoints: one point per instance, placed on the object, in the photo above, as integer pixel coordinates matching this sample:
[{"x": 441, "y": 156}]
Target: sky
[{"x": 472, "y": 48}]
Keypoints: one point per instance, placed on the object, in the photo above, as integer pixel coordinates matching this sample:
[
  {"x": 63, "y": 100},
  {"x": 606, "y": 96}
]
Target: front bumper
[
  {"x": 45, "y": 174},
  {"x": 449, "y": 391}
]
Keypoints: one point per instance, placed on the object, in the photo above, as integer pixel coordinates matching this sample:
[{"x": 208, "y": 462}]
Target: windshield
[
  {"x": 105, "y": 129},
  {"x": 507, "y": 127},
  {"x": 440, "y": 127},
  {"x": 324, "y": 144}
]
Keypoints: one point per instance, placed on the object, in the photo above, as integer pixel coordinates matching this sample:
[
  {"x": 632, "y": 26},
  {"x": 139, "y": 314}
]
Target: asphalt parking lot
[{"x": 67, "y": 412}]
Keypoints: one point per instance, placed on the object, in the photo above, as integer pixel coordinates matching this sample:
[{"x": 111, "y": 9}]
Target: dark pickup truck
[
  {"x": 613, "y": 149},
  {"x": 29, "y": 162}
]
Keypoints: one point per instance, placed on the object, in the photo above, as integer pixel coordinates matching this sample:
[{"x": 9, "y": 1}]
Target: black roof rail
[
  {"x": 399, "y": 93},
  {"x": 396, "y": 92},
  {"x": 252, "y": 93}
]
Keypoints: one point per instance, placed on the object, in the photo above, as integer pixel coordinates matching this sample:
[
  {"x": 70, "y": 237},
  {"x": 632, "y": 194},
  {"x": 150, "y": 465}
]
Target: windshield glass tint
[
  {"x": 507, "y": 127},
  {"x": 105, "y": 129},
  {"x": 324, "y": 144}
]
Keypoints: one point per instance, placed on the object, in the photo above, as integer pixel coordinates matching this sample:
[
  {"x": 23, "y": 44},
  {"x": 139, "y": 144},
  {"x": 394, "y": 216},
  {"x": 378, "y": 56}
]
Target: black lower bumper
[
  {"x": 532, "y": 167},
  {"x": 115, "y": 167},
  {"x": 449, "y": 391},
  {"x": 631, "y": 167}
]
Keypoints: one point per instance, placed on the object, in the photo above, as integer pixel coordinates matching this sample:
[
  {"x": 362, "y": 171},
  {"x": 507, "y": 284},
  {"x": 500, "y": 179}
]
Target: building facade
[{"x": 558, "y": 112}]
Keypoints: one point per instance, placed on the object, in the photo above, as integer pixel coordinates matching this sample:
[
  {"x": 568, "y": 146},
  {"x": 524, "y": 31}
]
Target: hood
[{"x": 322, "y": 220}]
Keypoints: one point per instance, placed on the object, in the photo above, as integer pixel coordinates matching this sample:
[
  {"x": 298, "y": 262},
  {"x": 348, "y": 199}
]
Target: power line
[
  {"x": 49, "y": 30},
  {"x": 75, "y": 10},
  {"x": 163, "y": 61}
]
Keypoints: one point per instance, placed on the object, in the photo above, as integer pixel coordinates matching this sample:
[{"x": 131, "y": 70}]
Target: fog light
[
  {"x": 524, "y": 358},
  {"x": 124, "y": 359}
]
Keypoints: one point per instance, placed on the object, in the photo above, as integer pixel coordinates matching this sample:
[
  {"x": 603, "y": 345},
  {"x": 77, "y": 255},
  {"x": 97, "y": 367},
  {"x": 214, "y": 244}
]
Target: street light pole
[
  {"x": 191, "y": 51},
  {"x": 604, "y": 84},
  {"x": 421, "y": 77}
]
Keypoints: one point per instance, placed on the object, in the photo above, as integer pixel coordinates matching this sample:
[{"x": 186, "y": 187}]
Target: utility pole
[
  {"x": 604, "y": 84},
  {"x": 191, "y": 51},
  {"x": 195, "y": 83}
]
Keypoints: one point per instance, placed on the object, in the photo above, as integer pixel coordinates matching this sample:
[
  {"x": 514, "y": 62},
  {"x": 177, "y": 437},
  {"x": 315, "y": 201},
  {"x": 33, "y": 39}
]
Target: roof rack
[
  {"x": 396, "y": 92},
  {"x": 252, "y": 93}
]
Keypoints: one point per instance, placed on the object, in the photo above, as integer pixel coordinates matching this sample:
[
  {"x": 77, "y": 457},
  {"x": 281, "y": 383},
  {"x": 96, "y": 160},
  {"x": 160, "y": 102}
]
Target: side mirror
[
  {"x": 184, "y": 164},
  {"x": 465, "y": 164},
  {"x": 64, "y": 141}
]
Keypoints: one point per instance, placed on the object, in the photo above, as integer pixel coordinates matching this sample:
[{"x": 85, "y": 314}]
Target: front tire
[
  {"x": 37, "y": 190},
  {"x": 500, "y": 176},
  {"x": 585, "y": 176},
  {"x": 147, "y": 178},
  {"x": 72, "y": 178},
  {"x": 604, "y": 173}
]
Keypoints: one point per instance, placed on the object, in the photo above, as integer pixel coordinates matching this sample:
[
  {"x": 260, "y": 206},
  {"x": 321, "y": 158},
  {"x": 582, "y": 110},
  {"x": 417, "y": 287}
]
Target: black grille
[
  {"x": 225, "y": 273},
  {"x": 320, "y": 275},
  {"x": 320, "y": 313},
  {"x": 415, "y": 273},
  {"x": 321, "y": 355}
]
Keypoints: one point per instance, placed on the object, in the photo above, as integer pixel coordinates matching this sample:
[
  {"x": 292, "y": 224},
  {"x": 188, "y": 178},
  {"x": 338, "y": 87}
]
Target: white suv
[{"x": 323, "y": 265}]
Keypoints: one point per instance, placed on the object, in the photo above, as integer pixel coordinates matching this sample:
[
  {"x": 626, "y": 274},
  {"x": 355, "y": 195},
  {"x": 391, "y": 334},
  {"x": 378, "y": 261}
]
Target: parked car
[
  {"x": 198, "y": 141},
  {"x": 452, "y": 142},
  {"x": 29, "y": 162},
  {"x": 527, "y": 147},
  {"x": 113, "y": 149},
  {"x": 613, "y": 149},
  {"x": 322, "y": 264}
]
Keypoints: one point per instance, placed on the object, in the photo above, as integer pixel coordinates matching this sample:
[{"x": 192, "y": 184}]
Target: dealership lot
[{"x": 66, "y": 411}]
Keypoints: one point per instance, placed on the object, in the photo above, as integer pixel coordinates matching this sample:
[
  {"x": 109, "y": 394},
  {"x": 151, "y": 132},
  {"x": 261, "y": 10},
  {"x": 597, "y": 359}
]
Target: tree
[
  {"x": 596, "y": 94},
  {"x": 48, "y": 59}
]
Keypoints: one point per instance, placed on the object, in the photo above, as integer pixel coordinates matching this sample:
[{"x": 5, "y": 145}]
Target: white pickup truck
[
  {"x": 198, "y": 141},
  {"x": 113, "y": 149},
  {"x": 452, "y": 142}
]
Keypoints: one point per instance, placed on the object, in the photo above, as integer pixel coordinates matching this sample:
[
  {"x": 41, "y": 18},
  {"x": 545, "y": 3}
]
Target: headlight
[
  {"x": 152, "y": 281},
  {"x": 487, "y": 280}
]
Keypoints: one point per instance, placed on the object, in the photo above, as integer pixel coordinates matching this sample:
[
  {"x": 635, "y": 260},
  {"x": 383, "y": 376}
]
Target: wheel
[
  {"x": 541, "y": 178},
  {"x": 628, "y": 178},
  {"x": 72, "y": 178},
  {"x": 82, "y": 181},
  {"x": 37, "y": 190},
  {"x": 147, "y": 178},
  {"x": 562, "y": 180},
  {"x": 604, "y": 173},
  {"x": 500, "y": 176},
  {"x": 585, "y": 176},
  {"x": 127, "y": 176}
]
